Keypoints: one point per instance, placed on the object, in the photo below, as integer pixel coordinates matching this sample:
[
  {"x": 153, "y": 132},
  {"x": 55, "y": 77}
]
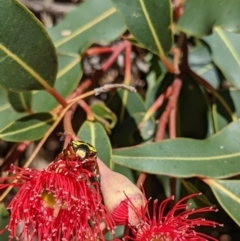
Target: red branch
[
  {"x": 98, "y": 50},
  {"x": 128, "y": 65},
  {"x": 87, "y": 110},
  {"x": 69, "y": 133},
  {"x": 116, "y": 50},
  {"x": 170, "y": 113}
]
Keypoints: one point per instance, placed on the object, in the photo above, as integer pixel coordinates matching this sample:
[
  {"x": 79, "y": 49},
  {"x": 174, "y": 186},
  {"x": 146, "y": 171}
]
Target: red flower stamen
[
  {"x": 60, "y": 202},
  {"x": 175, "y": 226}
]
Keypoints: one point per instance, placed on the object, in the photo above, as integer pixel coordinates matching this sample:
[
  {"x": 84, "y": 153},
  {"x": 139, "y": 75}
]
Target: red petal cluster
[
  {"x": 177, "y": 225},
  {"x": 60, "y": 202}
]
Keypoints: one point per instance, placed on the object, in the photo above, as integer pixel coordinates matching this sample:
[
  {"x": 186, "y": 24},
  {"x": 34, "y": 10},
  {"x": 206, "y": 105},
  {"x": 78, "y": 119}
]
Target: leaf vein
[
  {"x": 86, "y": 26},
  {"x": 222, "y": 189},
  {"x": 154, "y": 34},
  {"x": 26, "y": 67},
  {"x": 229, "y": 45},
  {"x": 68, "y": 67},
  {"x": 26, "y": 128},
  {"x": 207, "y": 158},
  {"x": 23, "y": 102}
]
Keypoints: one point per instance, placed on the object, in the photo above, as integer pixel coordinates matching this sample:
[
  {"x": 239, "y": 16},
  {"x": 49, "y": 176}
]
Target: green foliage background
[{"x": 207, "y": 148}]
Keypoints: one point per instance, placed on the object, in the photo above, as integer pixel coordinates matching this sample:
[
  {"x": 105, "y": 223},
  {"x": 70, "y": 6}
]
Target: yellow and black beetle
[{"x": 82, "y": 151}]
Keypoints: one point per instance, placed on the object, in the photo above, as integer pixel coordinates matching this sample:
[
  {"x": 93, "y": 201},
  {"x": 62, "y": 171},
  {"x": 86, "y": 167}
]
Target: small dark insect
[{"x": 82, "y": 151}]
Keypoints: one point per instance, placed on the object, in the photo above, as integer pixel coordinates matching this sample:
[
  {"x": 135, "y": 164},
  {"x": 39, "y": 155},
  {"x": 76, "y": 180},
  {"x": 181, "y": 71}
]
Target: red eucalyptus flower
[
  {"x": 175, "y": 226},
  {"x": 60, "y": 202}
]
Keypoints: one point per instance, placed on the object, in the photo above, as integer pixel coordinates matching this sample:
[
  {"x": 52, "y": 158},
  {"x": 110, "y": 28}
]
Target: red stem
[
  {"x": 177, "y": 84},
  {"x": 80, "y": 89},
  {"x": 87, "y": 110},
  {"x": 58, "y": 97},
  {"x": 128, "y": 66},
  {"x": 98, "y": 50},
  {"x": 105, "y": 66},
  {"x": 117, "y": 50},
  {"x": 67, "y": 126},
  {"x": 86, "y": 84}
]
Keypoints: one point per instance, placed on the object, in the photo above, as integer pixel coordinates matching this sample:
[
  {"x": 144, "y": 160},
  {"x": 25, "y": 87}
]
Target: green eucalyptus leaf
[
  {"x": 125, "y": 103},
  {"x": 160, "y": 86},
  {"x": 20, "y": 101},
  {"x": 165, "y": 181},
  {"x": 149, "y": 22},
  {"x": 227, "y": 193},
  {"x": 225, "y": 48},
  {"x": 69, "y": 74},
  {"x": 89, "y": 22},
  {"x": 27, "y": 55},
  {"x": 195, "y": 186},
  {"x": 216, "y": 157},
  {"x": 154, "y": 79},
  {"x": 200, "y": 62},
  {"x": 4, "y": 219},
  {"x": 80, "y": 28},
  {"x": 221, "y": 116},
  {"x": 7, "y": 111},
  {"x": 201, "y": 16},
  {"x": 94, "y": 133},
  {"x": 135, "y": 129},
  {"x": 104, "y": 115},
  {"x": 31, "y": 127}
]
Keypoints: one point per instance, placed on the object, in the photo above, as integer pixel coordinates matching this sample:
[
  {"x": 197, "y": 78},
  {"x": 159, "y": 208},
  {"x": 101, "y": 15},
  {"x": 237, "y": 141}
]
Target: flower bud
[{"x": 121, "y": 197}]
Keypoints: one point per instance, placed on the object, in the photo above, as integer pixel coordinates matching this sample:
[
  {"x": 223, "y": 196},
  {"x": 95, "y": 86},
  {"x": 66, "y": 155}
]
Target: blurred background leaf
[
  {"x": 7, "y": 111},
  {"x": 20, "y": 101},
  {"x": 4, "y": 219},
  {"x": 225, "y": 48},
  {"x": 104, "y": 115},
  {"x": 86, "y": 24},
  {"x": 227, "y": 193},
  {"x": 200, "y": 16},
  {"x": 192, "y": 110}
]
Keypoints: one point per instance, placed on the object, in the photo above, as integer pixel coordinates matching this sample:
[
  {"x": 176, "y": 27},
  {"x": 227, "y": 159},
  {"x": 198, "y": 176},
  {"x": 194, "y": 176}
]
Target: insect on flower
[
  {"x": 83, "y": 152},
  {"x": 57, "y": 203}
]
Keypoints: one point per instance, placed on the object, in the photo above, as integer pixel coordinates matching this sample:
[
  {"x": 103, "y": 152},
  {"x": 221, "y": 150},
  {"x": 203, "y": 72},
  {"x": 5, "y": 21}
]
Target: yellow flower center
[{"x": 51, "y": 202}]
